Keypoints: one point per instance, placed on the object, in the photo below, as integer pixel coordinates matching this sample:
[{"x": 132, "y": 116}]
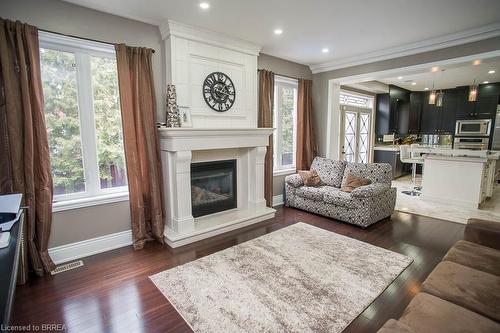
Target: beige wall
[
  {"x": 320, "y": 91},
  {"x": 57, "y": 16},
  {"x": 288, "y": 68}
]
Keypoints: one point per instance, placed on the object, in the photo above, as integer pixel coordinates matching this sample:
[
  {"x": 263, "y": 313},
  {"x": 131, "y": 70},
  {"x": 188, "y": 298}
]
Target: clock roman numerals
[{"x": 219, "y": 92}]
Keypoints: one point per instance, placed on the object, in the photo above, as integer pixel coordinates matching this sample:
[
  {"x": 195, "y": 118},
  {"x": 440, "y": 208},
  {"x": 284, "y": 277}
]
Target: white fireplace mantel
[{"x": 182, "y": 146}]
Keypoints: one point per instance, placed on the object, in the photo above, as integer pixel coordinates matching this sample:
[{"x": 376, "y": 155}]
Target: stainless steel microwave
[{"x": 473, "y": 127}]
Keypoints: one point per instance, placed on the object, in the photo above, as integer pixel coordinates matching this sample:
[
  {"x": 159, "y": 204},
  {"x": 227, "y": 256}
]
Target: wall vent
[{"x": 67, "y": 267}]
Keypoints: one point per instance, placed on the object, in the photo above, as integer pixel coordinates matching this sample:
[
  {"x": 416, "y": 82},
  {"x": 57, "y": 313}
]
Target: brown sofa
[{"x": 462, "y": 294}]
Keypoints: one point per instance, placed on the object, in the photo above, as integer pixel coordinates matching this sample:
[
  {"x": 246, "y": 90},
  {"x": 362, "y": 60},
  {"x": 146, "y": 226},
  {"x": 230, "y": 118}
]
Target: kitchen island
[{"x": 457, "y": 176}]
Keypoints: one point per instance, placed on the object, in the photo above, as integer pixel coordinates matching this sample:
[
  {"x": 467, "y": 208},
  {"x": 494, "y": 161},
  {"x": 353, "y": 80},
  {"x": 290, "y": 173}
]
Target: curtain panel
[
  {"x": 307, "y": 148},
  {"x": 24, "y": 147},
  {"x": 141, "y": 143},
  {"x": 265, "y": 119}
]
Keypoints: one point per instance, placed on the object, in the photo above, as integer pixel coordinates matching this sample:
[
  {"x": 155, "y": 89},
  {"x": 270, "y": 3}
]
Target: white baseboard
[
  {"x": 88, "y": 247},
  {"x": 278, "y": 200}
]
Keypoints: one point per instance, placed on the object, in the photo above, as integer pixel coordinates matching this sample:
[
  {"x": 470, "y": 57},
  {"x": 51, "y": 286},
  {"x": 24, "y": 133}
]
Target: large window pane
[
  {"x": 63, "y": 121},
  {"x": 108, "y": 123},
  {"x": 287, "y": 111}
]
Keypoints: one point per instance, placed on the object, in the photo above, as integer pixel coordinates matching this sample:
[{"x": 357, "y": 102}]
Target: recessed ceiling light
[
  {"x": 486, "y": 82},
  {"x": 477, "y": 62},
  {"x": 491, "y": 71},
  {"x": 413, "y": 83},
  {"x": 325, "y": 50},
  {"x": 204, "y": 5},
  {"x": 400, "y": 77},
  {"x": 278, "y": 31},
  {"x": 435, "y": 69},
  {"x": 426, "y": 88}
]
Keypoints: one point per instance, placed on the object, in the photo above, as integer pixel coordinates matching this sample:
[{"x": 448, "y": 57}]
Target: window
[
  {"x": 285, "y": 122},
  {"x": 82, "y": 112}
]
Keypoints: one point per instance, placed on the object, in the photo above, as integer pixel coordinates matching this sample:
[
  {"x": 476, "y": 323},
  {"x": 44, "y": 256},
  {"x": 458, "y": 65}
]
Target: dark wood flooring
[{"x": 112, "y": 292}]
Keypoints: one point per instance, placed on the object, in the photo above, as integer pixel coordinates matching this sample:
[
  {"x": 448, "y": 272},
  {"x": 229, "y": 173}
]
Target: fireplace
[{"x": 213, "y": 187}]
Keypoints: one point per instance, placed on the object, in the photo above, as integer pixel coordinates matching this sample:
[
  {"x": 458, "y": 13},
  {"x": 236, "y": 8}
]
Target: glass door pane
[
  {"x": 364, "y": 138},
  {"x": 350, "y": 127}
]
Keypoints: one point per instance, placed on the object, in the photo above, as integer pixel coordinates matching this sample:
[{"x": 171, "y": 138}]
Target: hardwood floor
[{"x": 112, "y": 292}]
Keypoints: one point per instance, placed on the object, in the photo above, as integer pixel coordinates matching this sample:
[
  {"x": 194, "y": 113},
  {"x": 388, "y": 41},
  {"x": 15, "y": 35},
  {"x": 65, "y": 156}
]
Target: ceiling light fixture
[
  {"x": 439, "y": 98},
  {"x": 325, "y": 50},
  {"x": 486, "y": 82},
  {"x": 435, "y": 69},
  {"x": 400, "y": 77},
  {"x": 432, "y": 96},
  {"x": 204, "y": 5},
  {"x": 491, "y": 71},
  {"x": 426, "y": 88},
  {"x": 278, "y": 31},
  {"x": 473, "y": 92},
  {"x": 413, "y": 83},
  {"x": 477, "y": 62}
]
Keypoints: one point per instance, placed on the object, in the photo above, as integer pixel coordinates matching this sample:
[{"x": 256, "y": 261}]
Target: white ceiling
[
  {"x": 351, "y": 28},
  {"x": 449, "y": 76}
]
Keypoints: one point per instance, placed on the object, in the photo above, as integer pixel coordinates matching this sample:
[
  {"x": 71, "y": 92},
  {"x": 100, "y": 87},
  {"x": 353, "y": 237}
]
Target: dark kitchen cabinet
[
  {"x": 399, "y": 109},
  {"x": 430, "y": 116},
  {"x": 415, "y": 112},
  {"x": 382, "y": 114},
  {"x": 485, "y": 105},
  {"x": 447, "y": 113}
]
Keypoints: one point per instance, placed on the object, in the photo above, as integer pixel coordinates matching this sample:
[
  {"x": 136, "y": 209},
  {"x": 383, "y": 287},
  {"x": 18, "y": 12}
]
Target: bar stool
[{"x": 406, "y": 157}]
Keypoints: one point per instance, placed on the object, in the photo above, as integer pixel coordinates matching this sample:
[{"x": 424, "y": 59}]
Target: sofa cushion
[
  {"x": 310, "y": 177},
  {"x": 295, "y": 180},
  {"x": 354, "y": 182},
  {"x": 483, "y": 232},
  {"x": 394, "y": 326},
  {"x": 427, "y": 313},
  {"x": 312, "y": 193},
  {"x": 475, "y": 256},
  {"x": 375, "y": 172},
  {"x": 335, "y": 196},
  {"x": 470, "y": 288},
  {"x": 370, "y": 190},
  {"x": 330, "y": 171}
]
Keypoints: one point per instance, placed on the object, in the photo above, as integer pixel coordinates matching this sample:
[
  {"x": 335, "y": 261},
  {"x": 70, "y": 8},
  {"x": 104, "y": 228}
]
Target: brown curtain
[
  {"x": 24, "y": 147},
  {"x": 266, "y": 104},
  {"x": 306, "y": 141},
  {"x": 140, "y": 136}
]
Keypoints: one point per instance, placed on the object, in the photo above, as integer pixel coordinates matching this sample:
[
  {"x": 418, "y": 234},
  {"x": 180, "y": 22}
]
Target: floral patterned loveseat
[{"x": 364, "y": 206}]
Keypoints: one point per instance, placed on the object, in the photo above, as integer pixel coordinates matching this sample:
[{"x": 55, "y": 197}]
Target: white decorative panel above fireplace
[{"x": 192, "y": 55}]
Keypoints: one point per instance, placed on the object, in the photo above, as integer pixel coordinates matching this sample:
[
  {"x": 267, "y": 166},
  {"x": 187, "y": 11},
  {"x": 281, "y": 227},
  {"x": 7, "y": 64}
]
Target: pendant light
[
  {"x": 432, "y": 96},
  {"x": 439, "y": 98},
  {"x": 473, "y": 92}
]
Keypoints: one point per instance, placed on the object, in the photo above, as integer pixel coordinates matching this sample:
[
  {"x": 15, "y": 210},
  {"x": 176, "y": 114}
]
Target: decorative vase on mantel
[{"x": 173, "y": 117}]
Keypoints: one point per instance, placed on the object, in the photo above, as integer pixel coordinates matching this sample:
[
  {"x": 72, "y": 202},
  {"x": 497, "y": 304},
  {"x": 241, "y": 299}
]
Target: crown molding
[
  {"x": 173, "y": 28},
  {"x": 468, "y": 36}
]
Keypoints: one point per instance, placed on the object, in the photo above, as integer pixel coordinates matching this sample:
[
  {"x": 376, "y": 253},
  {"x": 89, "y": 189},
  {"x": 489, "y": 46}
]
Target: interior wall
[
  {"x": 321, "y": 83},
  {"x": 57, "y": 16},
  {"x": 288, "y": 68}
]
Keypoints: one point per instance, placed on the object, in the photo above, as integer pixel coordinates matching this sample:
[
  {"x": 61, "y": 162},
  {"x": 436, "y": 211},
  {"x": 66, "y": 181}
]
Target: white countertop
[
  {"x": 386, "y": 147},
  {"x": 431, "y": 152}
]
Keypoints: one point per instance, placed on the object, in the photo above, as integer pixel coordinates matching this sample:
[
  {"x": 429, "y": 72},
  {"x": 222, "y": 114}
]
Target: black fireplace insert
[{"x": 213, "y": 187}]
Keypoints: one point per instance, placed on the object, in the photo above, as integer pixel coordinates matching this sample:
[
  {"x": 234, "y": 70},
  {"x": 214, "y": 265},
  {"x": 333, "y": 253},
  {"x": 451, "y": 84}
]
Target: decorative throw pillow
[
  {"x": 353, "y": 182},
  {"x": 310, "y": 177}
]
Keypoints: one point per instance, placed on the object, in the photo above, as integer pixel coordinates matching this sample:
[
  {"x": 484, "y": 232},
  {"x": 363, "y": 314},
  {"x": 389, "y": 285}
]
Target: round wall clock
[{"x": 219, "y": 92}]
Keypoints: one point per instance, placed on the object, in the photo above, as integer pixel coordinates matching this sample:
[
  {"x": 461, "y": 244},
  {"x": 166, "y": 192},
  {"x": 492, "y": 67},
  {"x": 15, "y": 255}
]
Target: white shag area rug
[{"x": 297, "y": 279}]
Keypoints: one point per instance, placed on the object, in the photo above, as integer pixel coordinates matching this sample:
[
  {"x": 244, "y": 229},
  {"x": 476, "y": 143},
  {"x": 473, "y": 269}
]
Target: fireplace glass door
[{"x": 213, "y": 187}]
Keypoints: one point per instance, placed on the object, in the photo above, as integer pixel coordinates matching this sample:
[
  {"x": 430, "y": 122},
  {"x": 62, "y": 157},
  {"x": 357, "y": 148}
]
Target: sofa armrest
[
  {"x": 295, "y": 180},
  {"x": 370, "y": 190},
  {"x": 483, "y": 232}
]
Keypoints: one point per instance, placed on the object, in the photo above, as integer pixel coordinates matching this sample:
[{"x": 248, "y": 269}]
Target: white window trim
[
  {"x": 83, "y": 50},
  {"x": 278, "y": 169}
]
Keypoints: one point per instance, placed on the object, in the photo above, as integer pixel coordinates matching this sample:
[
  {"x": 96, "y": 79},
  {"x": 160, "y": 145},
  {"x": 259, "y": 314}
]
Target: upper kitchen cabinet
[
  {"x": 415, "y": 112},
  {"x": 439, "y": 119},
  {"x": 393, "y": 111},
  {"x": 399, "y": 109},
  {"x": 485, "y": 105},
  {"x": 382, "y": 115},
  {"x": 430, "y": 118}
]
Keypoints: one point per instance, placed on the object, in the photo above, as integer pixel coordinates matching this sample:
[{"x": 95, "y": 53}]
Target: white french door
[{"x": 356, "y": 134}]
